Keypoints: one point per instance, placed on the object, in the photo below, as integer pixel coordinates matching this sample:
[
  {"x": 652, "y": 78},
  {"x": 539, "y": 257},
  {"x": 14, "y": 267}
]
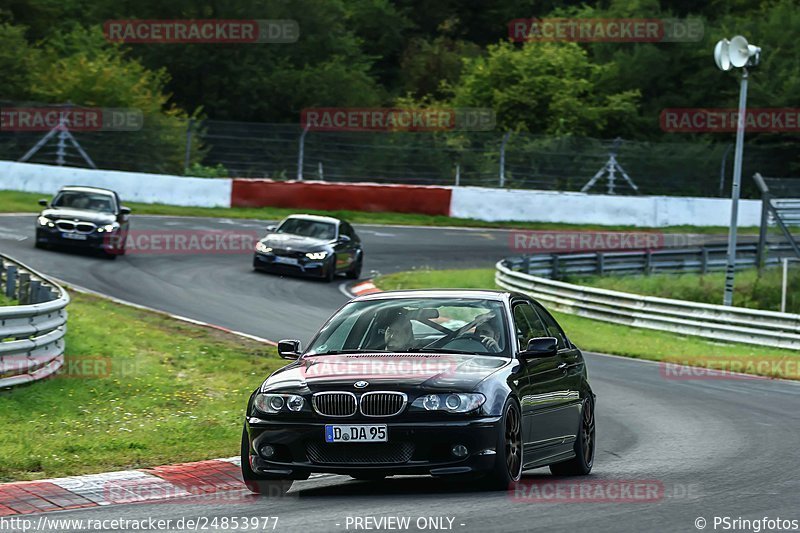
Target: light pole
[{"x": 737, "y": 53}]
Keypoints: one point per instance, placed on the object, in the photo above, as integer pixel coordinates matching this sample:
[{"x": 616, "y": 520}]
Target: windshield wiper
[
  {"x": 352, "y": 351},
  {"x": 439, "y": 350}
]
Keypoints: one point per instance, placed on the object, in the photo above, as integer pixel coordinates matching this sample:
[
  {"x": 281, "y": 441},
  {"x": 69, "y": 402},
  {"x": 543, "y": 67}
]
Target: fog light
[
  {"x": 459, "y": 450},
  {"x": 266, "y": 451}
]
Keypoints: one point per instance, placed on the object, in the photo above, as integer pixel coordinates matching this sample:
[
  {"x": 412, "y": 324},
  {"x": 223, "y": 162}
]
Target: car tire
[
  {"x": 508, "y": 459},
  {"x": 355, "y": 272},
  {"x": 585, "y": 445},
  {"x": 330, "y": 269},
  {"x": 260, "y": 484}
]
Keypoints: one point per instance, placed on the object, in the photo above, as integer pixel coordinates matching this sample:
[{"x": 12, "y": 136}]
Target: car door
[
  {"x": 542, "y": 398},
  {"x": 346, "y": 248},
  {"x": 340, "y": 248},
  {"x": 571, "y": 359}
]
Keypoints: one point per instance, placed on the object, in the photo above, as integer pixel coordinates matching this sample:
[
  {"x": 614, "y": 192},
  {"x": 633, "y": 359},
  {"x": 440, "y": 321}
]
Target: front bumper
[
  {"x": 306, "y": 267},
  {"x": 93, "y": 241},
  {"x": 413, "y": 448}
]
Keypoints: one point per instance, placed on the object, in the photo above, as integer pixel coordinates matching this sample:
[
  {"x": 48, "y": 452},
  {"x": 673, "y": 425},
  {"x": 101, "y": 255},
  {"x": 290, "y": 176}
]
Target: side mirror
[
  {"x": 344, "y": 238},
  {"x": 124, "y": 210},
  {"x": 270, "y": 229},
  {"x": 43, "y": 203},
  {"x": 540, "y": 347},
  {"x": 289, "y": 349}
]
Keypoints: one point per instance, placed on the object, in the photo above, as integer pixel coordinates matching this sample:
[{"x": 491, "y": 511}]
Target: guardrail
[
  {"x": 32, "y": 332},
  {"x": 701, "y": 259},
  {"x": 733, "y": 324}
]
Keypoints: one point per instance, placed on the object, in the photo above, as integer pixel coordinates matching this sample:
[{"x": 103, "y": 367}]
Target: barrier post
[
  {"x": 24, "y": 288},
  {"x": 784, "y": 283},
  {"x": 11, "y": 281},
  {"x": 555, "y": 266},
  {"x": 33, "y": 292},
  {"x": 187, "y": 155}
]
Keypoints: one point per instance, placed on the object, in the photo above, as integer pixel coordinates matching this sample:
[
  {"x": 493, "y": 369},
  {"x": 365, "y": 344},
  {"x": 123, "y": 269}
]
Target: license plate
[
  {"x": 74, "y": 236},
  {"x": 285, "y": 260},
  {"x": 360, "y": 433}
]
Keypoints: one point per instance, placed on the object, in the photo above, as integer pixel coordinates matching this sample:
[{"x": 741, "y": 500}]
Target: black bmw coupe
[
  {"x": 480, "y": 384},
  {"x": 310, "y": 245}
]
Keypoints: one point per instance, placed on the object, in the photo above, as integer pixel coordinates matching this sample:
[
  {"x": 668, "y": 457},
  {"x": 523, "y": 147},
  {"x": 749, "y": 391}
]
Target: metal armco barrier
[
  {"x": 700, "y": 259},
  {"x": 31, "y": 332},
  {"x": 733, "y": 324}
]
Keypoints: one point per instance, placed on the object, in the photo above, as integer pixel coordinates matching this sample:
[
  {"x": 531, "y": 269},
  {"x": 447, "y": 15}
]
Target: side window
[
  {"x": 528, "y": 325},
  {"x": 552, "y": 327},
  {"x": 347, "y": 229}
]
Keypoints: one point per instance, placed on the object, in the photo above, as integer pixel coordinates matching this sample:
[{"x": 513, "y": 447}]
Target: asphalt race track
[{"x": 712, "y": 447}]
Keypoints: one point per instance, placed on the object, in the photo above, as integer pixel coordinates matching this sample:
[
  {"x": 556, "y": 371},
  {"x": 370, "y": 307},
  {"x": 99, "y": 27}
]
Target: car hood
[
  {"x": 427, "y": 371},
  {"x": 97, "y": 217},
  {"x": 298, "y": 243}
]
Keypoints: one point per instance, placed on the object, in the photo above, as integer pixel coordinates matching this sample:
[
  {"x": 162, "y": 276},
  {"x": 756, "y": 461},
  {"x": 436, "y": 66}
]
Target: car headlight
[
  {"x": 316, "y": 256},
  {"x": 44, "y": 221},
  {"x": 108, "y": 228},
  {"x": 275, "y": 403},
  {"x": 455, "y": 402},
  {"x": 263, "y": 248}
]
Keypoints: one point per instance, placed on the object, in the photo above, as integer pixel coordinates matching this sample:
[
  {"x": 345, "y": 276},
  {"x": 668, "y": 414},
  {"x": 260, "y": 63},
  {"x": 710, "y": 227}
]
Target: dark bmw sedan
[
  {"x": 478, "y": 384},
  {"x": 84, "y": 217},
  {"x": 310, "y": 245}
]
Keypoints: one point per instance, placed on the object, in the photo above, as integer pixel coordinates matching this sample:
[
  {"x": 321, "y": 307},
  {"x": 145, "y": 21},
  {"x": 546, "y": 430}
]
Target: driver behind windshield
[
  {"x": 399, "y": 335},
  {"x": 490, "y": 333}
]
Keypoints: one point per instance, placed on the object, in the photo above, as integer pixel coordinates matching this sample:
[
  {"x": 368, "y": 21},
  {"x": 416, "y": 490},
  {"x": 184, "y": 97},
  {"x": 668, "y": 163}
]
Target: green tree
[{"x": 543, "y": 88}]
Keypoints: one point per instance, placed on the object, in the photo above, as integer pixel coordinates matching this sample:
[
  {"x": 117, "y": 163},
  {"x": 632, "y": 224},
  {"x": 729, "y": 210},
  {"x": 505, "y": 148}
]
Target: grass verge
[
  {"x": 604, "y": 337},
  {"x": 750, "y": 289},
  {"x": 25, "y": 202},
  {"x": 138, "y": 389}
]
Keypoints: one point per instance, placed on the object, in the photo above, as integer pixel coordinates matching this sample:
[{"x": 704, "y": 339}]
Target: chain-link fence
[{"x": 696, "y": 167}]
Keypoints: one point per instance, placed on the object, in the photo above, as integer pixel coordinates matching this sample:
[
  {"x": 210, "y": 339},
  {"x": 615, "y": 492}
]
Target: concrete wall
[
  {"x": 334, "y": 196},
  {"x": 464, "y": 202},
  {"x": 131, "y": 186},
  {"x": 580, "y": 208}
]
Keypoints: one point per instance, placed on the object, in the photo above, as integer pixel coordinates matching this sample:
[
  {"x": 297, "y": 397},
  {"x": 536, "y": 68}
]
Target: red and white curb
[
  {"x": 365, "y": 287},
  {"x": 219, "y": 480},
  {"x": 128, "y": 486}
]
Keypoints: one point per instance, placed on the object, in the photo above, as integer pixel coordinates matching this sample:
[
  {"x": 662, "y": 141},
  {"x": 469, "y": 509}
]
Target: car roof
[
  {"x": 82, "y": 188},
  {"x": 318, "y": 218},
  {"x": 474, "y": 294}
]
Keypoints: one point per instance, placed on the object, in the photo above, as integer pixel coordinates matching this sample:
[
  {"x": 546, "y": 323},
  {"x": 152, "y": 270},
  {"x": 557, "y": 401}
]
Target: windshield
[
  {"x": 84, "y": 200},
  {"x": 408, "y": 325},
  {"x": 308, "y": 228}
]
